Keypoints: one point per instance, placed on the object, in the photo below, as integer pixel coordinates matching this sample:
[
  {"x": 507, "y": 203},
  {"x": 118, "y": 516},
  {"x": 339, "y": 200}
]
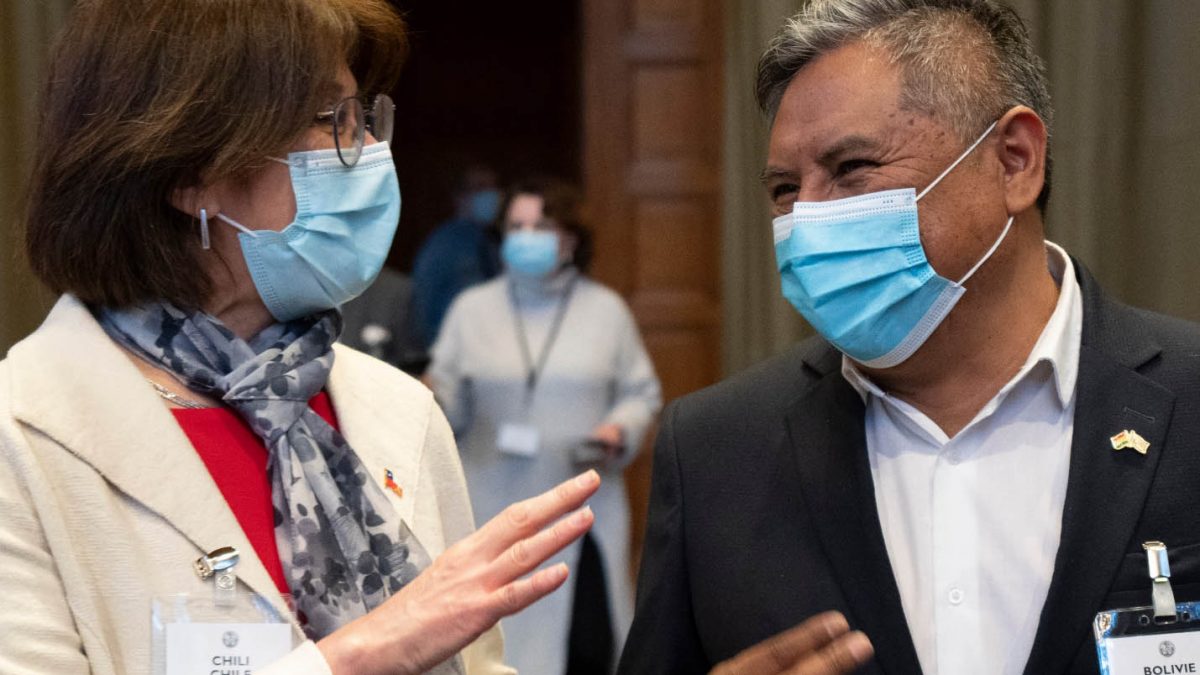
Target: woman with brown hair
[
  {"x": 209, "y": 187},
  {"x": 542, "y": 372}
]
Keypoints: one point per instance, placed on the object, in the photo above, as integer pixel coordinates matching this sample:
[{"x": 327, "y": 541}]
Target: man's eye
[
  {"x": 851, "y": 165},
  {"x": 783, "y": 190}
]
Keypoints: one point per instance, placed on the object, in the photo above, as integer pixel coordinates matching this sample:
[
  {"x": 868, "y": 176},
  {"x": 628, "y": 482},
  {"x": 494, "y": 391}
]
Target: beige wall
[
  {"x": 27, "y": 28},
  {"x": 1126, "y": 188},
  {"x": 757, "y": 321}
]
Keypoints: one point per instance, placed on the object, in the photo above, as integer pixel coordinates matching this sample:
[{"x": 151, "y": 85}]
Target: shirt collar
[{"x": 1058, "y": 345}]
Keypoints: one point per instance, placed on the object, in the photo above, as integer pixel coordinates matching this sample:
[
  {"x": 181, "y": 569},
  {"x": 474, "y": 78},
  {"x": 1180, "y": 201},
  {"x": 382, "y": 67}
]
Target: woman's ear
[
  {"x": 201, "y": 204},
  {"x": 191, "y": 199},
  {"x": 1022, "y": 154}
]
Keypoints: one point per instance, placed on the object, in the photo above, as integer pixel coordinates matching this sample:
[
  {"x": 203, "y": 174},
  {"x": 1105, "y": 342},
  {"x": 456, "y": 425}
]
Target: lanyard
[{"x": 535, "y": 370}]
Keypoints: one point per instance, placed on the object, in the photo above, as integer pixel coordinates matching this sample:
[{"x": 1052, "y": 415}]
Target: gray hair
[{"x": 963, "y": 62}]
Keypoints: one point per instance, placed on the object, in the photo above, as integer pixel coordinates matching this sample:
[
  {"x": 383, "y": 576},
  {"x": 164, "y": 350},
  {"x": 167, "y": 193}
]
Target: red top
[{"x": 237, "y": 460}]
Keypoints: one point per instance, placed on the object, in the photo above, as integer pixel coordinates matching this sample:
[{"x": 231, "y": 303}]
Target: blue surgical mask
[
  {"x": 346, "y": 218},
  {"x": 856, "y": 270},
  {"x": 483, "y": 206},
  {"x": 530, "y": 253}
]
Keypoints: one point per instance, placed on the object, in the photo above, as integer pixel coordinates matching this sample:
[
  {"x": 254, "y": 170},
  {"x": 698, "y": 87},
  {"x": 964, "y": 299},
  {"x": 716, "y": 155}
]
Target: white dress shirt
[{"x": 972, "y": 523}]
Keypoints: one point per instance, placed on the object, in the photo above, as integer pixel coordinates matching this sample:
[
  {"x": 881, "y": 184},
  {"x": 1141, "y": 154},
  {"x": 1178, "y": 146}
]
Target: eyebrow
[
  {"x": 847, "y": 145},
  {"x": 771, "y": 173},
  {"x": 843, "y": 146},
  {"x": 332, "y": 91}
]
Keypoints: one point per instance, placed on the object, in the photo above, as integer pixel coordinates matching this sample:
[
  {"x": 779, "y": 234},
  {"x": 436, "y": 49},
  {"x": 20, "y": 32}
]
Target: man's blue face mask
[
  {"x": 856, "y": 270},
  {"x": 482, "y": 206},
  {"x": 335, "y": 248}
]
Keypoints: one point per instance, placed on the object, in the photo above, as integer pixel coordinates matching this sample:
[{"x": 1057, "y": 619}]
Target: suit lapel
[
  {"x": 825, "y": 428},
  {"x": 1106, "y": 489},
  {"x": 72, "y": 384}
]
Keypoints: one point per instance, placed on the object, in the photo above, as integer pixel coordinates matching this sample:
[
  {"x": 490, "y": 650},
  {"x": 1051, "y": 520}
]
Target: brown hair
[
  {"x": 562, "y": 203},
  {"x": 148, "y": 96}
]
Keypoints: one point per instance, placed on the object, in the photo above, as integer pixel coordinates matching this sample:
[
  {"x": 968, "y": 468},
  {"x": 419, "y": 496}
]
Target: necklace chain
[{"x": 175, "y": 398}]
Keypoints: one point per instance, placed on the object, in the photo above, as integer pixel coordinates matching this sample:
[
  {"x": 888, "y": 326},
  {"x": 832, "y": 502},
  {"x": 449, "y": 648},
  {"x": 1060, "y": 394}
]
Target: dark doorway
[{"x": 497, "y": 83}]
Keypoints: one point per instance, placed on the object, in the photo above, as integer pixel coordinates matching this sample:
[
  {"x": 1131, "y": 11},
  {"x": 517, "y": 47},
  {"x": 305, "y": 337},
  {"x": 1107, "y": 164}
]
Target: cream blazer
[{"x": 104, "y": 504}]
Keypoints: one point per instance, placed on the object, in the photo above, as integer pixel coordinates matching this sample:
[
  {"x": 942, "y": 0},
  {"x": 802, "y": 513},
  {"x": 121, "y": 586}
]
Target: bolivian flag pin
[{"x": 1130, "y": 439}]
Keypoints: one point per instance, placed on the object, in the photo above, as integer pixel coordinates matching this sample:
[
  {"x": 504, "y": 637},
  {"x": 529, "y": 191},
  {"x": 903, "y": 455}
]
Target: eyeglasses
[{"x": 351, "y": 122}]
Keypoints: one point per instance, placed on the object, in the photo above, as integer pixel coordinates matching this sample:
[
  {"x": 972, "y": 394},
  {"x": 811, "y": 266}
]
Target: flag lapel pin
[
  {"x": 389, "y": 482},
  {"x": 1129, "y": 438}
]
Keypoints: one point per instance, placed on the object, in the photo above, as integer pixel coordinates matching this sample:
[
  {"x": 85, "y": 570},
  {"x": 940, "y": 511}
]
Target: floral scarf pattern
[{"x": 343, "y": 548}]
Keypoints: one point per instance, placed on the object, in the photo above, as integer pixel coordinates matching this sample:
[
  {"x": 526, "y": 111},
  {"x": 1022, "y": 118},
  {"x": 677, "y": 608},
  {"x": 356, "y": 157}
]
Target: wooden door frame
[{"x": 653, "y": 102}]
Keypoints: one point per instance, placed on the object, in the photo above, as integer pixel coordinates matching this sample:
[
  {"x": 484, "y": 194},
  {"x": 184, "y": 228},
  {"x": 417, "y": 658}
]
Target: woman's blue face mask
[
  {"x": 345, "y": 220},
  {"x": 530, "y": 253}
]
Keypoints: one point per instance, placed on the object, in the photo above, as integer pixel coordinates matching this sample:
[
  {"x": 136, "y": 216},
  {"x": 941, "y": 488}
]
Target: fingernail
[
  {"x": 859, "y": 646},
  {"x": 587, "y": 479},
  {"x": 836, "y": 624},
  {"x": 583, "y": 515}
]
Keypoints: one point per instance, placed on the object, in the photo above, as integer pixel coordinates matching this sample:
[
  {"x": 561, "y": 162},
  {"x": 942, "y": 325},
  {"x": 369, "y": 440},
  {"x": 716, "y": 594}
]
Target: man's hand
[{"x": 822, "y": 645}]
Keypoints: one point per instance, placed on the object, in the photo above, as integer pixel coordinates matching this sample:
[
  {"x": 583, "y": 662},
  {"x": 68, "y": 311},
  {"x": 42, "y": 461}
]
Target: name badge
[
  {"x": 225, "y": 648},
  {"x": 227, "y": 630},
  {"x": 1160, "y": 639},
  {"x": 521, "y": 440},
  {"x": 1129, "y": 642}
]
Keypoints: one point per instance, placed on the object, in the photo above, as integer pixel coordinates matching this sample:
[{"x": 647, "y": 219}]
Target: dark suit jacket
[{"x": 762, "y": 511}]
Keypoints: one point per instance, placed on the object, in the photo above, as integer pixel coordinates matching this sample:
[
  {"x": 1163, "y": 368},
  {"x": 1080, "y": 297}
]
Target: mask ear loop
[
  {"x": 237, "y": 225},
  {"x": 1007, "y": 227},
  {"x": 956, "y": 162},
  {"x": 205, "y": 243}
]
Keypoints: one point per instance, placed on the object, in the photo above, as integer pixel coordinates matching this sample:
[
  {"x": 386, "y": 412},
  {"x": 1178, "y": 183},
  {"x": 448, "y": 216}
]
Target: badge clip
[
  {"x": 1160, "y": 575},
  {"x": 219, "y": 566}
]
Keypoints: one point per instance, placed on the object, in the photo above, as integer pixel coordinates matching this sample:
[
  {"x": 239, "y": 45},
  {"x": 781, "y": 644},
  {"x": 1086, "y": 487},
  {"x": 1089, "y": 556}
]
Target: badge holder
[
  {"x": 230, "y": 631},
  {"x": 1160, "y": 639},
  {"x": 519, "y": 437}
]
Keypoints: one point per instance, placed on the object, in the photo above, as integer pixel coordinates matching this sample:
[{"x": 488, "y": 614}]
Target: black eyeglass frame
[{"x": 380, "y": 121}]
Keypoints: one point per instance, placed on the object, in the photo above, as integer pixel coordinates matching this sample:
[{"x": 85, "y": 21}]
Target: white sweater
[{"x": 596, "y": 372}]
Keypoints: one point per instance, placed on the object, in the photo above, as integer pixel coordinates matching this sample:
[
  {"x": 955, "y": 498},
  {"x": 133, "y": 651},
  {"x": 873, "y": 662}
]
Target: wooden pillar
[{"x": 652, "y": 141}]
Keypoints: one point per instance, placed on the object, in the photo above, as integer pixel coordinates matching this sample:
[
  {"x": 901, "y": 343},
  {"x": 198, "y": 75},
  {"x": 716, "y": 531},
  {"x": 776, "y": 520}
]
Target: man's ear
[{"x": 1022, "y": 153}]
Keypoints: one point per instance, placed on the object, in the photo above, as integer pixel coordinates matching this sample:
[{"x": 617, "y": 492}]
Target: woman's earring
[{"x": 204, "y": 242}]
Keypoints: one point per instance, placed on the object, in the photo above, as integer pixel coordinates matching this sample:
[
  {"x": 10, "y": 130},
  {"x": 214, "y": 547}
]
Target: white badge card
[
  {"x": 225, "y": 648},
  {"x": 194, "y": 636},
  {"x": 521, "y": 440},
  {"x": 1133, "y": 642}
]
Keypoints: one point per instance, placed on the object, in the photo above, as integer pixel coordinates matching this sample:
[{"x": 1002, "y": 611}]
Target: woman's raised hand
[{"x": 468, "y": 588}]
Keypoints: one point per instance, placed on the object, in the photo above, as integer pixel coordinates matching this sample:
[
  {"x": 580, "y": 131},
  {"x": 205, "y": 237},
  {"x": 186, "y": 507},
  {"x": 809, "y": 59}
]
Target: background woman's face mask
[{"x": 530, "y": 253}]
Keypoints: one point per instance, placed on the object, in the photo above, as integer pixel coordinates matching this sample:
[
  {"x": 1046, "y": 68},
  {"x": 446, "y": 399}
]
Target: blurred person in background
[
  {"x": 208, "y": 188},
  {"x": 541, "y": 372},
  {"x": 459, "y": 253},
  {"x": 380, "y": 322}
]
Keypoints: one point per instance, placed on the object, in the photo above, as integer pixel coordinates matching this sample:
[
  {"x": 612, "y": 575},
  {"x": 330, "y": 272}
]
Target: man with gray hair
[{"x": 967, "y": 459}]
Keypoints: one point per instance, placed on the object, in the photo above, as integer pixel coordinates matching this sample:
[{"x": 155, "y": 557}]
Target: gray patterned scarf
[{"x": 341, "y": 549}]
